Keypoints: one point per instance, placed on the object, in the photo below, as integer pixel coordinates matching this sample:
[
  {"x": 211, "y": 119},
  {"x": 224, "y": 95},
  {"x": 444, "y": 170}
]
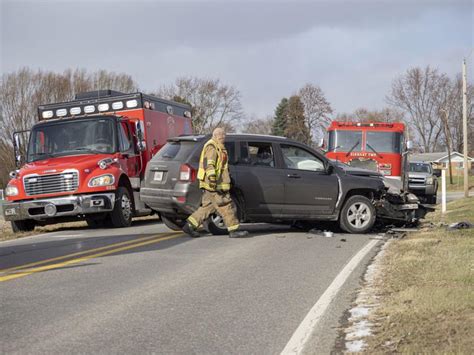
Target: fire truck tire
[
  {"x": 357, "y": 215},
  {"x": 23, "y": 226},
  {"x": 121, "y": 215}
]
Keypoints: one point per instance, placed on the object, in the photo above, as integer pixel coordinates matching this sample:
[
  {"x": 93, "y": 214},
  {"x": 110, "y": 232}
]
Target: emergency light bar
[
  {"x": 110, "y": 101},
  {"x": 118, "y": 105},
  {"x": 367, "y": 124}
]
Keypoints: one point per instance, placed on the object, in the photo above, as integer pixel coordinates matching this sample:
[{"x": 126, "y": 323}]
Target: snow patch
[{"x": 359, "y": 325}]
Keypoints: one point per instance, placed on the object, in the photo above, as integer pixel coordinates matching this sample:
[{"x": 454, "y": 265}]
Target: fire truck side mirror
[
  {"x": 141, "y": 143},
  {"x": 321, "y": 143},
  {"x": 409, "y": 145},
  {"x": 16, "y": 148}
]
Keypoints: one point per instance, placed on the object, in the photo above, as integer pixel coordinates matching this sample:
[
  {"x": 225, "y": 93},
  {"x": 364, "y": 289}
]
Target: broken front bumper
[
  {"x": 403, "y": 207},
  {"x": 58, "y": 207}
]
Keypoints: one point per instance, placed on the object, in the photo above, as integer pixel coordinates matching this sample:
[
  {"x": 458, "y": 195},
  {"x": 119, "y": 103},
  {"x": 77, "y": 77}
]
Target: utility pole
[{"x": 464, "y": 127}]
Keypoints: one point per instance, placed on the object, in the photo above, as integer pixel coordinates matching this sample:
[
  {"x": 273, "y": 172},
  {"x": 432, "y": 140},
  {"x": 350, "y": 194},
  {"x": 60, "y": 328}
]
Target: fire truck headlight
[
  {"x": 103, "y": 180},
  {"x": 11, "y": 191}
]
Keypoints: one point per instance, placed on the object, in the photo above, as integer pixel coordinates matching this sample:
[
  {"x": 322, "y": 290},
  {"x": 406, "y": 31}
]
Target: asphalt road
[{"x": 143, "y": 289}]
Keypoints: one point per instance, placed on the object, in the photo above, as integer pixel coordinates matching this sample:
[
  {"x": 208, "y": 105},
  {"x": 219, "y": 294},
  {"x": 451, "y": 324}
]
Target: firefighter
[{"x": 214, "y": 181}]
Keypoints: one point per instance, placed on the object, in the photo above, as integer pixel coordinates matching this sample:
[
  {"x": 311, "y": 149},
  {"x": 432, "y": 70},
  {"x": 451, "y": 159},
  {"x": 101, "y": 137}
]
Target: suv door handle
[{"x": 293, "y": 176}]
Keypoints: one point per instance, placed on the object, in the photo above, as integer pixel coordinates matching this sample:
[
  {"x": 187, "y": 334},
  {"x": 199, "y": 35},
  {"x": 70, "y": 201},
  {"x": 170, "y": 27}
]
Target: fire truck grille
[{"x": 48, "y": 184}]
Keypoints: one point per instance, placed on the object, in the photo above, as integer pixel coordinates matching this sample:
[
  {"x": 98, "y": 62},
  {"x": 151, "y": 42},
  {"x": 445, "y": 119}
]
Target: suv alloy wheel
[{"x": 357, "y": 215}]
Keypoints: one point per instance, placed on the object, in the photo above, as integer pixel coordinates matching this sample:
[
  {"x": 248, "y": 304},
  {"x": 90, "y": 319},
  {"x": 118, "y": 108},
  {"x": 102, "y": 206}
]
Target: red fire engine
[
  {"x": 374, "y": 145},
  {"x": 86, "y": 159}
]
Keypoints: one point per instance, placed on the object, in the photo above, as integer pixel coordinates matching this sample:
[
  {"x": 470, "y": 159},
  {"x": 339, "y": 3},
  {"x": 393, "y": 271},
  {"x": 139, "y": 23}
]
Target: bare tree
[
  {"x": 316, "y": 109},
  {"x": 259, "y": 125},
  {"x": 418, "y": 93},
  {"x": 22, "y": 91},
  {"x": 363, "y": 114},
  {"x": 452, "y": 105},
  {"x": 213, "y": 103}
]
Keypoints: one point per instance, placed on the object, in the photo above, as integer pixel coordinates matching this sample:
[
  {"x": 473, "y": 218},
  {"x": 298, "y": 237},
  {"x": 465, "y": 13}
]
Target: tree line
[{"x": 428, "y": 101}]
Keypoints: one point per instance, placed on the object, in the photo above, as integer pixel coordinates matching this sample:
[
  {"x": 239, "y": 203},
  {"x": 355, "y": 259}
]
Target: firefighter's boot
[
  {"x": 238, "y": 234},
  {"x": 189, "y": 230}
]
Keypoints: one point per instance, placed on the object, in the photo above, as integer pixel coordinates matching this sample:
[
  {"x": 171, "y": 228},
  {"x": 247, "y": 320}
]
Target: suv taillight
[{"x": 187, "y": 173}]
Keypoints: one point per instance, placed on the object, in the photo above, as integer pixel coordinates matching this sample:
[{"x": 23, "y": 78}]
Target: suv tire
[
  {"x": 173, "y": 223},
  {"x": 23, "y": 226},
  {"x": 431, "y": 199},
  {"x": 215, "y": 224},
  {"x": 357, "y": 215},
  {"x": 121, "y": 215}
]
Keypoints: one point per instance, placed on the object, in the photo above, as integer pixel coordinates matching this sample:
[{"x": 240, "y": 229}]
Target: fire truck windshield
[
  {"x": 384, "y": 142},
  {"x": 343, "y": 141},
  {"x": 72, "y": 137}
]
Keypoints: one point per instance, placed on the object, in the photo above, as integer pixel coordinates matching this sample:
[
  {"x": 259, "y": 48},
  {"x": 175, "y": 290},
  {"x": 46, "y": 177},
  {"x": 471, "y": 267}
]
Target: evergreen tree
[
  {"x": 296, "y": 127},
  {"x": 280, "y": 120}
]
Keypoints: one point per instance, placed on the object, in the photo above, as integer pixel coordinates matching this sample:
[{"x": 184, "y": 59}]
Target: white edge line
[{"x": 301, "y": 335}]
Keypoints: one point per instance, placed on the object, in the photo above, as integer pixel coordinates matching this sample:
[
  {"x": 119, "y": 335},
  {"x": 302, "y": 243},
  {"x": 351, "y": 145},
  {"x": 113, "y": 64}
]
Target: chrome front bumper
[{"x": 59, "y": 207}]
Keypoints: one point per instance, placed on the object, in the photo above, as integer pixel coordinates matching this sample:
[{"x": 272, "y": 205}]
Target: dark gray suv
[{"x": 274, "y": 179}]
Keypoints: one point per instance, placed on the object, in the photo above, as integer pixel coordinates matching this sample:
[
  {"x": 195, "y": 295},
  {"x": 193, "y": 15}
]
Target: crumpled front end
[{"x": 399, "y": 205}]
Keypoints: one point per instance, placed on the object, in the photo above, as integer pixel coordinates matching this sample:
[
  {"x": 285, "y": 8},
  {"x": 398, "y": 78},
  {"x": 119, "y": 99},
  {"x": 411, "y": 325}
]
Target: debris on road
[
  {"x": 325, "y": 233},
  {"x": 460, "y": 225}
]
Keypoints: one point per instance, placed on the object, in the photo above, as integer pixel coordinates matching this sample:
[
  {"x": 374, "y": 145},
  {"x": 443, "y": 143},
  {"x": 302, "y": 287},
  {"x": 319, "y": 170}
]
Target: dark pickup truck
[{"x": 275, "y": 180}]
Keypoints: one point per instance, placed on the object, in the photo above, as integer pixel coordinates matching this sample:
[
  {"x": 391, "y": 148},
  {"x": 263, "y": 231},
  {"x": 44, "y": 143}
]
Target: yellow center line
[
  {"x": 113, "y": 245},
  {"x": 78, "y": 260}
]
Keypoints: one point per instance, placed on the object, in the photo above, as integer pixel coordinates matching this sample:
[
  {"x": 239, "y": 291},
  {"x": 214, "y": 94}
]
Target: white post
[
  {"x": 464, "y": 128},
  {"x": 443, "y": 191}
]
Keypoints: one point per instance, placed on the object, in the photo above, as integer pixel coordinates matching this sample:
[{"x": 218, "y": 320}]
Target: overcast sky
[{"x": 268, "y": 49}]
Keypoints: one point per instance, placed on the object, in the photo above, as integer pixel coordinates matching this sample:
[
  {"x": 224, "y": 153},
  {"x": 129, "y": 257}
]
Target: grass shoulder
[{"x": 426, "y": 288}]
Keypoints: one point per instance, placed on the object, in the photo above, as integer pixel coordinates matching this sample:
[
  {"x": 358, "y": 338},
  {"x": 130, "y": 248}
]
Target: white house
[{"x": 441, "y": 160}]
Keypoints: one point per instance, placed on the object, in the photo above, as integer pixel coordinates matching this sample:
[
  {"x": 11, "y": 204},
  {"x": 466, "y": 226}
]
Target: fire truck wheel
[
  {"x": 357, "y": 215},
  {"x": 121, "y": 215},
  {"x": 23, "y": 226}
]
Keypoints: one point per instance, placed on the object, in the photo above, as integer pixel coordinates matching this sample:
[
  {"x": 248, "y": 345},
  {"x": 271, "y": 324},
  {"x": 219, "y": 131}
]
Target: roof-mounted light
[
  {"x": 132, "y": 103},
  {"x": 89, "y": 109},
  {"x": 61, "y": 112},
  {"x": 103, "y": 107},
  {"x": 117, "y": 105},
  {"x": 47, "y": 114},
  {"x": 187, "y": 114},
  {"x": 75, "y": 111}
]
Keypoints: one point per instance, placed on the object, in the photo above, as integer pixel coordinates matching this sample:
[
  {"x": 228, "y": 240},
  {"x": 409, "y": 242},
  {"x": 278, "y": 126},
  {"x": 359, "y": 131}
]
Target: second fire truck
[{"x": 374, "y": 146}]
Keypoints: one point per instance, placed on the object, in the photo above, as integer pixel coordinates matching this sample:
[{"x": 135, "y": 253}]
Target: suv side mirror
[
  {"x": 329, "y": 169},
  {"x": 437, "y": 172}
]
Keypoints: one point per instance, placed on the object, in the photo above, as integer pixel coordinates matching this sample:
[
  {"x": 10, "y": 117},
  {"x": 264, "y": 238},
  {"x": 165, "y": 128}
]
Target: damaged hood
[{"x": 349, "y": 170}]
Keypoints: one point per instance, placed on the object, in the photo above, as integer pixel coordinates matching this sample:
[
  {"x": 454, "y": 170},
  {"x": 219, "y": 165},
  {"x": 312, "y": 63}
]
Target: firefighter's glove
[{"x": 212, "y": 182}]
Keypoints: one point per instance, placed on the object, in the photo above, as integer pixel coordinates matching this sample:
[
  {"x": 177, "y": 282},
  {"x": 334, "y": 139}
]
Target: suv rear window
[{"x": 179, "y": 151}]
